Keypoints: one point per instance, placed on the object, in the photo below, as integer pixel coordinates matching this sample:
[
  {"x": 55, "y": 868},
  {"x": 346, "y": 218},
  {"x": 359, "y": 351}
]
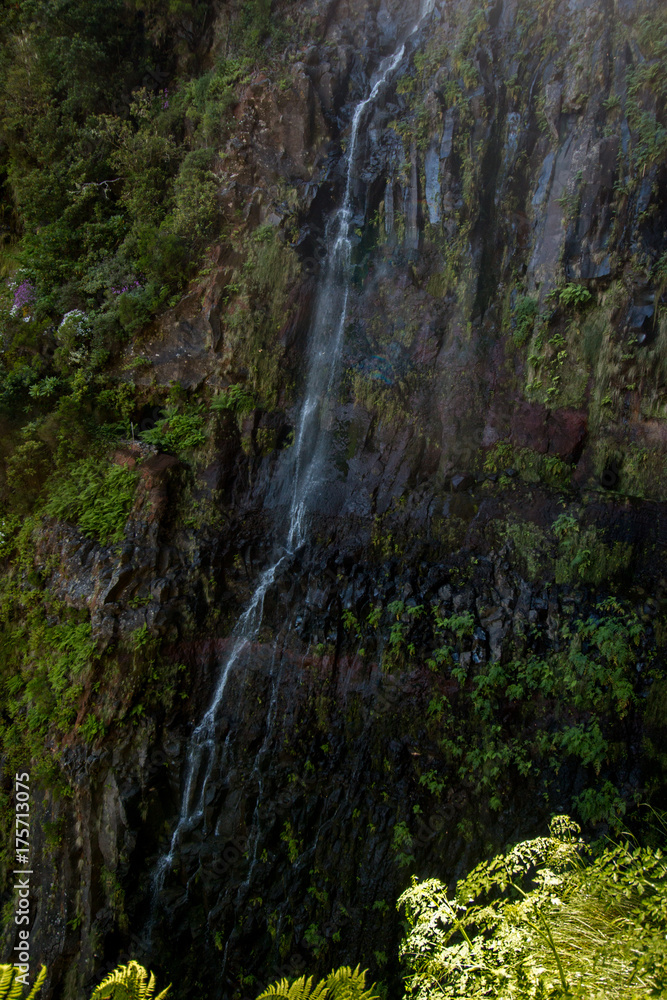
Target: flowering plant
[{"x": 24, "y": 296}]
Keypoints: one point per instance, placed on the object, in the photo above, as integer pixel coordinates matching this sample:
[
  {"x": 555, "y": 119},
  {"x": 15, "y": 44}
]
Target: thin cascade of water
[
  {"x": 325, "y": 349},
  {"x": 202, "y": 741}
]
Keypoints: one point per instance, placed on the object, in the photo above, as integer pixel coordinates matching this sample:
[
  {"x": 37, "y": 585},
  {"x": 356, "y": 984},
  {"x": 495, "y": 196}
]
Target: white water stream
[{"x": 310, "y": 451}]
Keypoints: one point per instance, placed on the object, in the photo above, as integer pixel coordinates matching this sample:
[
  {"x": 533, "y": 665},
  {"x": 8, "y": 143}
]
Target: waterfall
[{"x": 309, "y": 451}]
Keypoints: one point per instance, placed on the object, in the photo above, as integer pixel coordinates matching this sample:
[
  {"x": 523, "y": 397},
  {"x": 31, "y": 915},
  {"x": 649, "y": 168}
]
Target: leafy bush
[
  {"x": 583, "y": 555},
  {"x": 572, "y": 296},
  {"x": 235, "y": 398},
  {"x": 195, "y": 205},
  {"x": 530, "y": 713},
  {"x": 177, "y": 431},
  {"x": 551, "y": 918},
  {"x": 96, "y": 496},
  {"x": 27, "y": 470}
]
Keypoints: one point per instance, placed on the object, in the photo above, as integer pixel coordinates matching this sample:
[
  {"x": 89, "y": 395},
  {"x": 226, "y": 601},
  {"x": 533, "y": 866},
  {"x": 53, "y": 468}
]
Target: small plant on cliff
[
  {"x": 402, "y": 844},
  {"x": 524, "y": 319},
  {"x": 177, "y": 431},
  {"x": 235, "y": 398},
  {"x": 572, "y": 296}
]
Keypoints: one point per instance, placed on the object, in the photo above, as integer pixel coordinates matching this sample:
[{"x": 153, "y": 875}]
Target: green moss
[
  {"x": 259, "y": 310},
  {"x": 46, "y": 656},
  {"x": 531, "y": 465},
  {"x": 530, "y": 546}
]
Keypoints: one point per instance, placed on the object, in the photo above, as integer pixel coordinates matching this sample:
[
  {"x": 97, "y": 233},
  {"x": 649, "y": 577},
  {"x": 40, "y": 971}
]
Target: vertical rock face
[{"x": 504, "y": 366}]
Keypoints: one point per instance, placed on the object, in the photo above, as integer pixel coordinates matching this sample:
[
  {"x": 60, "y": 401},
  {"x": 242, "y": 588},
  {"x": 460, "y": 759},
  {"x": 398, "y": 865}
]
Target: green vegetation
[
  {"x": 46, "y": 657},
  {"x": 11, "y": 988},
  {"x": 178, "y": 431},
  {"x": 572, "y": 296},
  {"x": 129, "y": 982},
  {"x": 109, "y": 182},
  {"x": 525, "y": 312},
  {"x": 341, "y": 984},
  {"x": 568, "y": 552},
  {"x": 94, "y": 495},
  {"x": 259, "y": 311},
  {"x": 532, "y": 466},
  {"x": 111, "y": 164},
  {"x": 235, "y": 398},
  {"x": 551, "y": 918},
  {"x": 531, "y": 713}
]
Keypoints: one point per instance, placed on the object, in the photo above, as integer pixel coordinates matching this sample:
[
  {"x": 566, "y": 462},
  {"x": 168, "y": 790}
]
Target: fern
[
  {"x": 341, "y": 984},
  {"x": 348, "y": 984},
  {"x": 11, "y": 987},
  {"x": 128, "y": 982},
  {"x": 300, "y": 989}
]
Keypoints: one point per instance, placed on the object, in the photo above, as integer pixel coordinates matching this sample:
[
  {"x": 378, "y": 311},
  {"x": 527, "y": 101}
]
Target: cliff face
[{"x": 473, "y": 635}]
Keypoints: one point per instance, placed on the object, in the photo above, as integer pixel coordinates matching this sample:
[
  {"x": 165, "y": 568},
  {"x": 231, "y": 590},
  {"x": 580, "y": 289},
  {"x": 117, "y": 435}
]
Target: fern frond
[
  {"x": 278, "y": 989},
  {"x": 348, "y": 984},
  {"x": 16, "y": 987},
  {"x": 6, "y": 980},
  {"x": 37, "y": 985},
  {"x": 128, "y": 982},
  {"x": 11, "y": 987},
  {"x": 300, "y": 989}
]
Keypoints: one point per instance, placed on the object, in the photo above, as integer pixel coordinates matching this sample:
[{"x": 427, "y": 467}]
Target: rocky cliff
[{"x": 473, "y": 635}]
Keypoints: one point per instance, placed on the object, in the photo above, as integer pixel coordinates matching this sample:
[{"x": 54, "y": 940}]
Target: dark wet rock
[{"x": 462, "y": 483}]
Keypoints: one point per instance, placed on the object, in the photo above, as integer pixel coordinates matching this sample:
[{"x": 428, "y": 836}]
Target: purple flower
[
  {"x": 24, "y": 295},
  {"x": 125, "y": 288}
]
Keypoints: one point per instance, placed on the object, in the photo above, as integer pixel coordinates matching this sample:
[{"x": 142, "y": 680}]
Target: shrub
[
  {"x": 177, "y": 432},
  {"x": 551, "y": 918},
  {"x": 195, "y": 205}
]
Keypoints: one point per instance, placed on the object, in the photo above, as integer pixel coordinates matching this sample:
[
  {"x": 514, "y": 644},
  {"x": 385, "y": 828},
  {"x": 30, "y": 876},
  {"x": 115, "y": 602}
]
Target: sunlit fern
[
  {"x": 341, "y": 984},
  {"x": 128, "y": 982},
  {"x": 11, "y": 987}
]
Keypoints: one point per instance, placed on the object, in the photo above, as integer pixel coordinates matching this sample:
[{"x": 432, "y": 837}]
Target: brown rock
[
  {"x": 529, "y": 427},
  {"x": 567, "y": 433},
  {"x": 559, "y": 432}
]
